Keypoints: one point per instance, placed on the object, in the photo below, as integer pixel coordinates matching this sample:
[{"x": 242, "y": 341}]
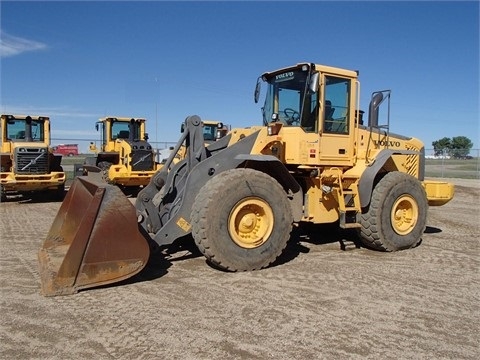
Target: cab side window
[{"x": 335, "y": 114}]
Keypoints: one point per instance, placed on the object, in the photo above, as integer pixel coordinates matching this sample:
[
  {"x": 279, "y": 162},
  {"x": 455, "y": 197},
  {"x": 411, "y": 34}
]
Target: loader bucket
[{"x": 94, "y": 240}]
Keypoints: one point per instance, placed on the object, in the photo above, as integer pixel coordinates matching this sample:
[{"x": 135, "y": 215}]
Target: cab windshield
[
  {"x": 209, "y": 132},
  {"x": 286, "y": 101},
  {"x": 18, "y": 130},
  {"x": 121, "y": 129}
]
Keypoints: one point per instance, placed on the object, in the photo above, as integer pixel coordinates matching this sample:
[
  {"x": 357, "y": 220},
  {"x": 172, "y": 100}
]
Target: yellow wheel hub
[
  {"x": 250, "y": 223},
  {"x": 404, "y": 215}
]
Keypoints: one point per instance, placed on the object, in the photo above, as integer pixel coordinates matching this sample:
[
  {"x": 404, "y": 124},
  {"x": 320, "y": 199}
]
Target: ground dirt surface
[{"x": 324, "y": 298}]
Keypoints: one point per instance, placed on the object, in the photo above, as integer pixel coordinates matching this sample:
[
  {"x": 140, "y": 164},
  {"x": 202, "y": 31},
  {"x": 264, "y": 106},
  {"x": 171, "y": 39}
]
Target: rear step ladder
[{"x": 348, "y": 204}]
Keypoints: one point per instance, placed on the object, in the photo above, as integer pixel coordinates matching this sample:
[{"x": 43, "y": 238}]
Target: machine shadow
[
  {"x": 432, "y": 230},
  {"x": 317, "y": 234},
  {"x": 161, "y": 260}
]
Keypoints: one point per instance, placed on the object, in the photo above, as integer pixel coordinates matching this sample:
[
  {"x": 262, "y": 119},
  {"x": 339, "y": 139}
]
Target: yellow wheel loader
[
  {"x": 125, "y": 158},
  {"x": 313, "y": 161},
  {"x": 27, "y": 163}
]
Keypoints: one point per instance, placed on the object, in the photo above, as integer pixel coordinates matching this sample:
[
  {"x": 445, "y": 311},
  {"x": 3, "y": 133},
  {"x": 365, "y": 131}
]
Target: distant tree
[
  {"x": 442, "y": 146},
  {"x": 460, "y": 146}
]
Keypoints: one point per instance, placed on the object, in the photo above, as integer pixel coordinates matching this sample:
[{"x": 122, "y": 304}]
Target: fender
[{"x": 365, "y": 184}]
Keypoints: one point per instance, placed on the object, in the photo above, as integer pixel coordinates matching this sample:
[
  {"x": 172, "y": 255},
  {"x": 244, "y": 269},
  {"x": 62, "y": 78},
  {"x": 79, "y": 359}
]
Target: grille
[
  {"x": 31, "y": 160},
  {"x": 142, "y": 160}
]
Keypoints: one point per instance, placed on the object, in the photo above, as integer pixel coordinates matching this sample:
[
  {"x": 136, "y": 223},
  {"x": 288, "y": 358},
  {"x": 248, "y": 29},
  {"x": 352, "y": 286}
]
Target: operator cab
[
  {"x": 293, "y": 98},
  {"x": 317, "y": 99}
]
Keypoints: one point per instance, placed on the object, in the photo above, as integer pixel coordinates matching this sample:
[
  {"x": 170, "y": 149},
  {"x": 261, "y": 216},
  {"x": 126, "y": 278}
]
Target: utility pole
[{"x": 156, "y": 119}]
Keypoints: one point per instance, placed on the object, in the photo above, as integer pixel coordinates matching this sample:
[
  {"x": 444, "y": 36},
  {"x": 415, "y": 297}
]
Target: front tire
[
  {"x": 397, "y": 215},
  {"x": 242, "y": 220}
]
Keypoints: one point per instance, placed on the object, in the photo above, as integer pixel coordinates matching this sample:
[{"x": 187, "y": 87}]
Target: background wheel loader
[
  {"x": 212, "y": 131},
  {"x": 27, "y": 163},
  {"x": 312, "y": 161},
  {"x": 125, "y": 158}
]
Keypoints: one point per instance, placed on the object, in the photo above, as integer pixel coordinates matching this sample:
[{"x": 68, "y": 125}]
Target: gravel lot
[{"x": 324, "y": 299}]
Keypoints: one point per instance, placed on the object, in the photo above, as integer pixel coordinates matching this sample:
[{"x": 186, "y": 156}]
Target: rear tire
[
  {"x": 3, "y": 194},
  {"x": 397, "y": 215},
  {"x": 242, "y": 220}
]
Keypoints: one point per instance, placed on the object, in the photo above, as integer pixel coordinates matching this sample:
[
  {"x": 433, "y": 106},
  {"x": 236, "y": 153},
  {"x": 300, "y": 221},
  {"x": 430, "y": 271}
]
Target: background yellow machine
[
  {"x": 27, "y": 162},
  {"x": 312, "y": 161},
  {"x": 126, "y": 158}
]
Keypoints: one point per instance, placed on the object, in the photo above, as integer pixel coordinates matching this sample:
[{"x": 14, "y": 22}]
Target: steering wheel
[{"x": 292, "y": 115}]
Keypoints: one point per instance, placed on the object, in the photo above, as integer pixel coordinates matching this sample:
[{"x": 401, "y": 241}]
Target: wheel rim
[
  {"x": 250, "y": 223},
  {"x": 404, "y": 215}
]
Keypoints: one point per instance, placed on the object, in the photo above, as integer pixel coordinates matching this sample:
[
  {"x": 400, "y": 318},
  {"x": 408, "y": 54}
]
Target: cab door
[{"x": 336, "y": 128}]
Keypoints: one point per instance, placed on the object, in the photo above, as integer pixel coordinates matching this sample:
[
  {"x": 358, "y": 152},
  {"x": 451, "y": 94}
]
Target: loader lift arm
[
  {"x": 163, "y": 207},
  {"x": 149, "y": 198}
]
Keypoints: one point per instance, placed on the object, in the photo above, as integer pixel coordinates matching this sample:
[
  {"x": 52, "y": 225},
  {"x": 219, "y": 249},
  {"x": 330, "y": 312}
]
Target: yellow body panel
[
  {"x": 12, "y": 182},
  {"x": 121, "y": 175}
]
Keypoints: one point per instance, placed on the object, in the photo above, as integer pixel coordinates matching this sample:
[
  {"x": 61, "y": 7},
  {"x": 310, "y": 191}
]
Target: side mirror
[
  {"x": 145, "y": 137},
  {"x": 314, "y": 82},
  {"x": 256, "y": 95}
]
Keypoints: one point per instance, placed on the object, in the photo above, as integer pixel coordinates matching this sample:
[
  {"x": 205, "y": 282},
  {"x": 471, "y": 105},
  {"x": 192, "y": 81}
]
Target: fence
[{"x": 445, "y": 166}]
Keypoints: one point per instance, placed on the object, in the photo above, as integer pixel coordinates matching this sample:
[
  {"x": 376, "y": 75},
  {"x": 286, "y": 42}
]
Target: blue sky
[{"x": 79, "y": 61}]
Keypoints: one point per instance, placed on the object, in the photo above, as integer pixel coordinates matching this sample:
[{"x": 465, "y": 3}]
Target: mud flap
[{"x": 94, "y": 240}]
